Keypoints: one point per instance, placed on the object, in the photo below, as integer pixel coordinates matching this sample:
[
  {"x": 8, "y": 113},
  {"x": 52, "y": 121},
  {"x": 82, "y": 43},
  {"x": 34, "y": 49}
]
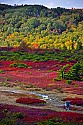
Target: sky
[{"x": 47, "y": 3}]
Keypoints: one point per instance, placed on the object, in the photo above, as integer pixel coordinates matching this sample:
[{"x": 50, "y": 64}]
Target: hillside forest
[{"x": 40, "y": 27}]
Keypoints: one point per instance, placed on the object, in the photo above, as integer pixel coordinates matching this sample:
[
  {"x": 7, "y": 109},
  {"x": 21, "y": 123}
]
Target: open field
[
  {"x": 38, "y": 81},
  {"x": 38, "y": 74}
]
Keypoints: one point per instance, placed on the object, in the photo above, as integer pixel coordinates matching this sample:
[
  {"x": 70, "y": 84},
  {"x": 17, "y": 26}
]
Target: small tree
[
  {"x": 62, "y": 72},
  {"x": 73, "y": 73}
]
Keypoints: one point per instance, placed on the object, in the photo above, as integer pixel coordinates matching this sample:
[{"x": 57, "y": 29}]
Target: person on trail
[{"x": 67, "y": 105}]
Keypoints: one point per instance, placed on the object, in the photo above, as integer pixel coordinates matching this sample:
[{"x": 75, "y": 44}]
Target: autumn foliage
[
  {"x": 74, "y": 101},
  {"x": 29, "y": 100},
  {"x": 32, "y": 115}
]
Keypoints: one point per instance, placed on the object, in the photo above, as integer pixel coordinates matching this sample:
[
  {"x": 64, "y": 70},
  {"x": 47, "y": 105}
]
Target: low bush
[
  {"x": 51, "y": 122},
  {"x": 29, "y": 101},
  {"x": 78, "y": 102},
  {"x": 11, "y": 118},
  {"x": 69, "y": 81},
  {"x": 18, "y": 115},
  {"x": 56, "y": 79},
  {"x": 19, "y": 65},
  {"x": 74, "y": 101},
  {"x": 1, "y": 71}
]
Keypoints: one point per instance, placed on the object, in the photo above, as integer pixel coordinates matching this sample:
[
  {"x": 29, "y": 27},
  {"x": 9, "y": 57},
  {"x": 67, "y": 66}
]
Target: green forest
[{"x": 39, "y": 27}]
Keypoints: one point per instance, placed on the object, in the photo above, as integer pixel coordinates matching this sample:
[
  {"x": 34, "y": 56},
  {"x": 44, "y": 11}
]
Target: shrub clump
[
  {"x": 1, "y": 71},
  {"x": 68, "y": 82},
  {"x": 19, "y": 65},
  {"x": 29, "y": 100},
  {"x": 74, "y": 72},
  {"x": 74, "y": 101}
]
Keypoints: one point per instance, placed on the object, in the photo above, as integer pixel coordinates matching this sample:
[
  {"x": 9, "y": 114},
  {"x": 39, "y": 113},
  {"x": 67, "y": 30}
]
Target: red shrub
[
  {"x": 32, "y": 115},
  {"x": 29, "y": 100},
  {"x": 77, "y": 102},
  {"x": 71, "y": 116},
  {"x": 74, "y": 101},
  {"x": 44, "y": 76}
]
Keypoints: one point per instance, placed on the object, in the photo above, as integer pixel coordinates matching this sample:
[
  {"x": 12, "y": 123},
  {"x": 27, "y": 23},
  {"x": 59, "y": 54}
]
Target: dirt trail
[{"x": 8, "y": 95}]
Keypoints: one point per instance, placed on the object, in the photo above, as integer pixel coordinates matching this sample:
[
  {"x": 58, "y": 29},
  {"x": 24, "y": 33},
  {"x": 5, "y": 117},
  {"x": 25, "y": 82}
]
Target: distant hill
[{"x": 41, "y": 27}]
